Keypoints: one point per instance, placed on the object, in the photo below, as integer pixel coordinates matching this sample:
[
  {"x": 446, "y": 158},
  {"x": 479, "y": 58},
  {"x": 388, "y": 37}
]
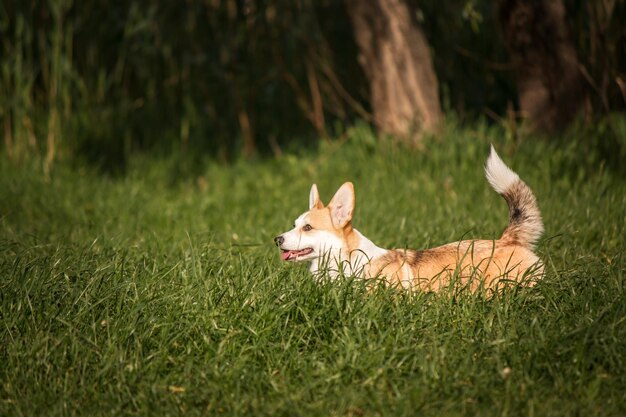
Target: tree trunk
[
  {"x": 549, "y": 82},
  {"x": 396, "y": 59}
]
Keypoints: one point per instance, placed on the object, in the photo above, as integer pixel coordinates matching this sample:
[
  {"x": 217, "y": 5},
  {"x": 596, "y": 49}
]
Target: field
[{"x": 160, "y": 292}]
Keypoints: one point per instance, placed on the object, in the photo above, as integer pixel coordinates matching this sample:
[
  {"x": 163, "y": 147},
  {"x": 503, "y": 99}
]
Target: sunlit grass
[{"x": 160, "y": 292}]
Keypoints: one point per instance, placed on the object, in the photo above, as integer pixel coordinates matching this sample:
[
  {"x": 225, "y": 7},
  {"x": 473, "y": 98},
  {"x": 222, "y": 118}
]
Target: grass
[{"x": 160, "y": 292}]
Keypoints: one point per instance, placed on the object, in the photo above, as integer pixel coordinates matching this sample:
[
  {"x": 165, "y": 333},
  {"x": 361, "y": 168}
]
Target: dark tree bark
[
  {"x": 550, "y": 85},
  {"x": 396, "y": 59}
]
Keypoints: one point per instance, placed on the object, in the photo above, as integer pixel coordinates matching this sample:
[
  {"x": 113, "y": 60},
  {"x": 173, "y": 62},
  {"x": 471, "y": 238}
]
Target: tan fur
[
  {"x": 471, "y": 263},
  {"x": 319, "y": 218}
]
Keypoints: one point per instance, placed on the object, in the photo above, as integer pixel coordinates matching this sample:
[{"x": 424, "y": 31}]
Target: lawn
[{"x": 159, "y": 291}]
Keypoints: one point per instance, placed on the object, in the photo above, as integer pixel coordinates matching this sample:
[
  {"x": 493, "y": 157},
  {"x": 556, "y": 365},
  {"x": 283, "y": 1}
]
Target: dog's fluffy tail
[{"x": 525, "y": 225}]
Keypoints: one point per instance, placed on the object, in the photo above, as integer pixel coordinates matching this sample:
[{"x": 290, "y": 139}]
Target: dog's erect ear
[
  {"x": 342, "y": 205},
  {"x": 314, "y": 199}
]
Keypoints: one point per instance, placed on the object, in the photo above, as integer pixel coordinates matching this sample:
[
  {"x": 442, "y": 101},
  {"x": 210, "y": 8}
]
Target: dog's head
[{"x": 321, "y": 231}]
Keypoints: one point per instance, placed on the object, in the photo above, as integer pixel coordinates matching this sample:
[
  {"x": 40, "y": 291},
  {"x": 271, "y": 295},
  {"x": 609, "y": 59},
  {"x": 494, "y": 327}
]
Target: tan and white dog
[{"x": 324, "y": 236}]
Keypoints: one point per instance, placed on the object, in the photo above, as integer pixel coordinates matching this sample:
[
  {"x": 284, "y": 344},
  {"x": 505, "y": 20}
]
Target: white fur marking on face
[{"x": 298, "y": 242}]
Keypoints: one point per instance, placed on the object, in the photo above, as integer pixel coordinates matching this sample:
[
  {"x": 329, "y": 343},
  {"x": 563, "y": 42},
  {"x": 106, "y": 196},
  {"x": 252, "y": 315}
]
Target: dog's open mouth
[{"x": 289, "y": 255}]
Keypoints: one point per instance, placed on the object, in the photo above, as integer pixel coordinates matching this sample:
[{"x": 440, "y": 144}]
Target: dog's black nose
[{"x": 279, "y": 240}]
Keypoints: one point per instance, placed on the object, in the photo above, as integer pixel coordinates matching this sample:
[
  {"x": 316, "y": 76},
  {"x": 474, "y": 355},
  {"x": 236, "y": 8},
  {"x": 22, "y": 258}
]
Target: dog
[{"x": 325, "y": 237}]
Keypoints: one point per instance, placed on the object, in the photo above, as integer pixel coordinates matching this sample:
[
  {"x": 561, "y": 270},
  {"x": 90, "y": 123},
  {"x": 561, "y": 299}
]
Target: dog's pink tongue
[{"x": 285, "y": 255}]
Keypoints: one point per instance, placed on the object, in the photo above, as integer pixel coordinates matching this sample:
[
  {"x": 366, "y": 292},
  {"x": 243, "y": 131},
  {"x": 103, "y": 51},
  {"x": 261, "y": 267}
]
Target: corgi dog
[{"x": 325, "y": 237}]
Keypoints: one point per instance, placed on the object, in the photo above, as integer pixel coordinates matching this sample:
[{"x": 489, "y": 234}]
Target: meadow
[{"x": 158, "y": 291}]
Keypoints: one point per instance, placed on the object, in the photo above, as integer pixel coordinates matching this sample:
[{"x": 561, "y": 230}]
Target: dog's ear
[
  {"x": 314, "y": 199},
  {"x": 342, "y": 205}
]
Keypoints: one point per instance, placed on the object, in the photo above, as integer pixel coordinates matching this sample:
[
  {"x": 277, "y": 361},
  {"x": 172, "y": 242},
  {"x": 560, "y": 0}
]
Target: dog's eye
[{"x": 307, "y": 227}]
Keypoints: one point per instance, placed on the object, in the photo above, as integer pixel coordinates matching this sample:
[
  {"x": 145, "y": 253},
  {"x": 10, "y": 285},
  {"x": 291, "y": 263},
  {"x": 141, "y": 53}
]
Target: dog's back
[{"x": 475, "y": 263}]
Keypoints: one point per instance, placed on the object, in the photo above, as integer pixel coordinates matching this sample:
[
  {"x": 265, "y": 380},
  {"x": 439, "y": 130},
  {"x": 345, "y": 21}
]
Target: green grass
[{"x": 160, "y": 292}]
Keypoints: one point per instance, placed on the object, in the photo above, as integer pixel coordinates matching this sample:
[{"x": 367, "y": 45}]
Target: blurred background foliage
[{"x": 100, "y": 80}]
